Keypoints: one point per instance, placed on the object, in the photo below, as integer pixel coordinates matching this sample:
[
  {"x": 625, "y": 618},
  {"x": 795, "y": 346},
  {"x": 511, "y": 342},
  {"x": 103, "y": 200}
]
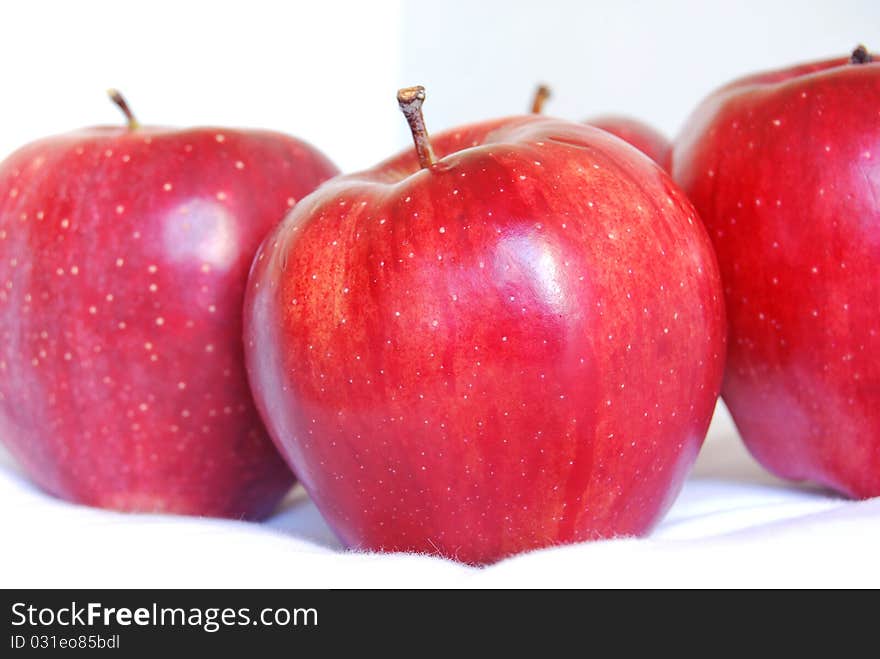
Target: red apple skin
[
  {"x": 642, "y": 136},
  {"x": 123, "y": 261},
  {"x": 784, "y": 168},
  {"x": 519, "y": 347}
]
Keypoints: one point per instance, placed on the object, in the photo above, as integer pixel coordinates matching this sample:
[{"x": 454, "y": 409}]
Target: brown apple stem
[
  {"x": 120, "y": 101},
  {"x": 410, "y": 100},
  {"x": 542, "y": 93},
  {"x": 861, "y": 55}
]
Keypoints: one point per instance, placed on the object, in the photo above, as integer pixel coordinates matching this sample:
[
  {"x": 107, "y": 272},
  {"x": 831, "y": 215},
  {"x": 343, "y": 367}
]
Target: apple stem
[
  {"x": 120, "y": 101},
  {"x": 861, "y": 55},
  {"x": 410, "y": 100},
  {"x": 542, "y": 93}
]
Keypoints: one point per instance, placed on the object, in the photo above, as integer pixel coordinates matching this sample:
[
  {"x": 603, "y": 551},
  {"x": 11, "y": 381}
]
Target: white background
[
  {"x": 327, "y": 71},
  {"x": 651, "y": 59}
]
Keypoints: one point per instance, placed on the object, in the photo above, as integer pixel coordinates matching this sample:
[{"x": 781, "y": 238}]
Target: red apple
[
  {"x": 784, "y": 168},
  {"x": 642, "y": 136},
  {"x": 124, "y": 254},
  {"x": 637, "y": 133},
  {"x": 514, "y": 343}
]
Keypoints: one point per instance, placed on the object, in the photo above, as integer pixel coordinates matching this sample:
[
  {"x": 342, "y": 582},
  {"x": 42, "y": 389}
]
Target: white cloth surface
[{"x": 732, "y": 526}]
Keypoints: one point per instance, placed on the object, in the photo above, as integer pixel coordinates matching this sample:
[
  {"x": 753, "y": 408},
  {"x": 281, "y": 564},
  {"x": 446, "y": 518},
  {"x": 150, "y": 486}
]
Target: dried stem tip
[
  {"x": 542, "y": 93},
  {"x": 120, "y": 101},
  {"x": 861, "y": 55},
  {"x": 410, "y": 100}
]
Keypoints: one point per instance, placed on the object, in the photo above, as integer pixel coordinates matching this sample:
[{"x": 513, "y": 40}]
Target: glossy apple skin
[
  {"x": 519, "y": 347},
  {"x": 784, "y": 169},
  {"x": 123, "y": 261},
  {"x": 640, "y": 135}
]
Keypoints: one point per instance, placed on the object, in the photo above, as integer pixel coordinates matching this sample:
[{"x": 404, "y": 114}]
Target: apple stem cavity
[
  {"x": 122, "y": 104},
  {"x": 410, "y": 100},
  {"x": 861, "y": 55},
  {"x": 542, "y": 93}
]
